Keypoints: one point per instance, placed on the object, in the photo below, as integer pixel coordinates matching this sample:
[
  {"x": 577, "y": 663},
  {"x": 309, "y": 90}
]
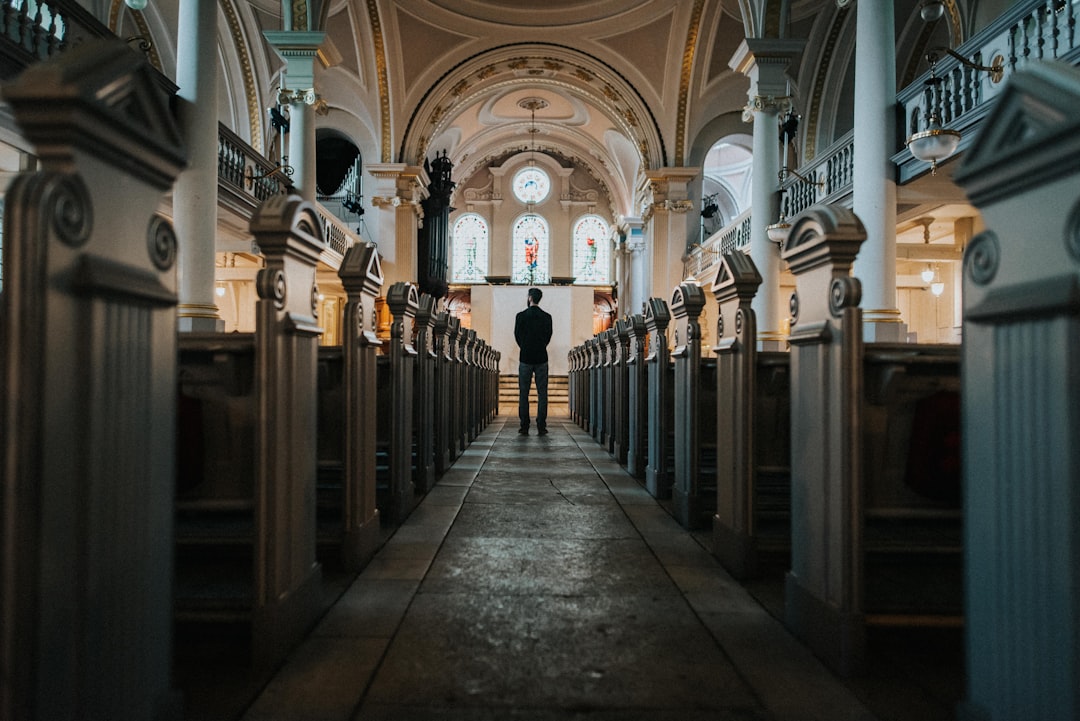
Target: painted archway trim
[
  {"x": 690, "y": 50},
  {"x": 381, "y": 76}
]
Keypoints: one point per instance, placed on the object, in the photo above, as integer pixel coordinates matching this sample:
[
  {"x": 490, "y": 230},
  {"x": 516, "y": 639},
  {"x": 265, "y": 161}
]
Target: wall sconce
[
  {"x": 219, "y": 290},
  {"x": 937, "y": 288},
  {"x": 709, "y": 207},
  {"x": 778, "y": 231},
  {"x": 936, "y": 144},
  {"x": 283, "y": 172},
  {"x": 927, "y": 275},
  {"x": 353, "y": 203},
  {"x": 785, "y": 171},
  {"x": 931, "y": 10}
]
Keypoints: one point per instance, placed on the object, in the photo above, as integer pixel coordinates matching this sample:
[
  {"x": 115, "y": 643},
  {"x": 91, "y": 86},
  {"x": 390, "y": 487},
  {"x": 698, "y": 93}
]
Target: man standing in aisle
[{"x": 532, "y": 331}]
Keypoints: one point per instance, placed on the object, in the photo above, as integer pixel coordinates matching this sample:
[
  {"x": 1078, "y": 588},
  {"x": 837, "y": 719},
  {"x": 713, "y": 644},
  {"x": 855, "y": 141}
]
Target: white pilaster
[
  {"x": 399, "y": 188},
  {"x": 195, "y": 195},
  {"x": 765, "y": 62},
  {"x": 874, "y": 198},
  {"x": 666, "y": 205}
]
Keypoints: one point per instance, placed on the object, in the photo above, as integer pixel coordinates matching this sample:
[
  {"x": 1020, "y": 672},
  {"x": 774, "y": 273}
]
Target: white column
[
  {"x": 765, "y": 62},
  {"x": 302, "y": 142},
  {"x": 874, "y": 198},
  {"x": 301, "y": 50},
  {"x": 195, "y": 194}
]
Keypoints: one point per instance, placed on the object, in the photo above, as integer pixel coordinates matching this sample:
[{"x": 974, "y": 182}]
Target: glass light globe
[
  {"x": 927, "y": 274},
  {"x": 931, "y": 10},
  {"x": 937, "y": 288},
  {"x": 934, "y": 144},
  {"x": 135, "y": 4}
]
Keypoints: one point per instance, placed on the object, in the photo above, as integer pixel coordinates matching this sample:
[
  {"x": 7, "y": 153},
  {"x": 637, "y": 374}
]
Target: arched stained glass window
[
  {"x": 470, "y": 249},
  {"x": 592, "y": 251},
  {"x": 531, "y": 185},
  {"x": 530, "y": 257}
]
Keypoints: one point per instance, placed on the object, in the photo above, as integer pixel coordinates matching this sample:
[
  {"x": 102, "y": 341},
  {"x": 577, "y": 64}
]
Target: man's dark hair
[{"x": 535, "y": 295}]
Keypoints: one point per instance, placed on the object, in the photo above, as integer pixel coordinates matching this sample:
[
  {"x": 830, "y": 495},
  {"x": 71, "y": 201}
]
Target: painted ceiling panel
[
  {"x": 549, "y": 13},
  {"x": 424, "y": 45},
  {"x": 340, "y": 32},
  {"x": 646, "y": 49}
]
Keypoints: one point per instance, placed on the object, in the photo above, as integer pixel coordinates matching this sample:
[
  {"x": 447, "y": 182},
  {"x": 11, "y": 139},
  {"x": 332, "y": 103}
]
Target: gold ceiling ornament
[
  {"x": 689, "y": 51},
  {"x": 250, "y": 94},
  {"x": 380, "y": 71}
]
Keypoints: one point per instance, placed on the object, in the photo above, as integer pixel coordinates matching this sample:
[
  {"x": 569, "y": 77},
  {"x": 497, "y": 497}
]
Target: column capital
[
  {"x": 300, "y": 49},
  {"x": 766, "y": 104},
  {"x": 765, "y": 61}
]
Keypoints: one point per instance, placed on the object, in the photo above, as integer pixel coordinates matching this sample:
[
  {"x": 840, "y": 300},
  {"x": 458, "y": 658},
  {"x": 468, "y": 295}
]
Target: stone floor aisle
[{"x": 539, "y": 581}]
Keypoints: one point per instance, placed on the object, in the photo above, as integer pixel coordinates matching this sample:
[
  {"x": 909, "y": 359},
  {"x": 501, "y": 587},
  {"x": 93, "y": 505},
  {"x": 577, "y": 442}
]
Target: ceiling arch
[{"x": 475, "y": 107}]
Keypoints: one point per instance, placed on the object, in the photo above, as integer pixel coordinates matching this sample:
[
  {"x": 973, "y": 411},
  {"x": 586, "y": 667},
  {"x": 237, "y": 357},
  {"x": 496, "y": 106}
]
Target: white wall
[{"x": 494, "y": 308}]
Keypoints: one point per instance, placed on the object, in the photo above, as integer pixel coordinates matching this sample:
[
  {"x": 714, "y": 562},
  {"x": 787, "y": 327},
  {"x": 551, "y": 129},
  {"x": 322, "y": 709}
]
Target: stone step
[{"x": 558, "y": 389}]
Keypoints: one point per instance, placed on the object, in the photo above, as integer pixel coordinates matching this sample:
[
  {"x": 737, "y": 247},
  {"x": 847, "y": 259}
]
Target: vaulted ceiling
[{"x": 613, "y": 85}]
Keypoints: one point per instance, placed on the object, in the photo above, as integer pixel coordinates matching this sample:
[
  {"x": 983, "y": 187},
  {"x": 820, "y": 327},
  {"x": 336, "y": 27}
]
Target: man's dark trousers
[{"x": 526, "y": 372}]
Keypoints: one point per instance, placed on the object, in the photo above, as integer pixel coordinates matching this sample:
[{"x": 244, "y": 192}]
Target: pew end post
[
  {"x": 362, "y": 277},
  {"x": 734, "y": 524},
  {"x": 822, "y": 589}
]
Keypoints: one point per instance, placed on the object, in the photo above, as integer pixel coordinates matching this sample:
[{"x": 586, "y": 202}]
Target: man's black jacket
[{"x": 532, "y": 331}]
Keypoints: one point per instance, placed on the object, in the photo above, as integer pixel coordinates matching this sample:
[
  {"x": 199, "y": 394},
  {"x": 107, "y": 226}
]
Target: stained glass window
[
  {"x": 470, "y": 249},
  {"x": 531, "y": 185},
  {"x": 530, "y": 258},
  {"x": 592, "y": 251}
]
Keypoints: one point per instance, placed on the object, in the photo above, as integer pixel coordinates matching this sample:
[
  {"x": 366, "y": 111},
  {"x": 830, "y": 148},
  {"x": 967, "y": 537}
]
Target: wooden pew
[
  {"x": 454, "y": 371},
  {"x": 600, "y": 375},
  {"x": 911, "y": 539},
  {"x": 596, "y": 391},
  {"x": 246, "y": 528},
  {"x": 347, "y": 512},
  {"x": 660, "y": 459},
  {"x": 425, "y": 393},
  {"x": 753, "y": 433},
  {"x": 621, "y": 412},
  {"x": 862, "y": 539},
  {"x": 397, "y": 492},
  {"x": 610, "y": 339},
  {"x": 1021, "y": 393},
  {"x": 637, "y": 397},
  {"x": 89, "y": 359},
  {"x": 469, "y": 367},
  {"x": 443, "y": 384},
  {"x": 573, "y": 385},
  {"x": 694, "y": 413}
]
